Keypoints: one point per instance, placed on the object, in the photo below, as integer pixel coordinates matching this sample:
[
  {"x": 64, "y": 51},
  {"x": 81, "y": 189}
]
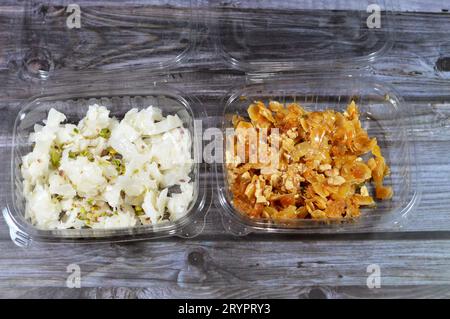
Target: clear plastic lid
[
  {"x": 273, "y": 35},
  {"x": 106, "y": 35}
]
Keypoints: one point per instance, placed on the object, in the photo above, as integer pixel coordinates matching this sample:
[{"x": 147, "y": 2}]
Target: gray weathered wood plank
[
  {"x": 230, "y": 292},
  {"x": 208, "y": 265}
]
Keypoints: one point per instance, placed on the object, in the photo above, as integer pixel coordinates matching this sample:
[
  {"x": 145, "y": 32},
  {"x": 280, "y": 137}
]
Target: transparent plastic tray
[
  {"x": 382, "y": 115},
  {"x": 111, "y": 35},
  {"x": 301, "y": 34},
  {"x": 74, "y": 106},
  {"x": 155, "y": 36}
]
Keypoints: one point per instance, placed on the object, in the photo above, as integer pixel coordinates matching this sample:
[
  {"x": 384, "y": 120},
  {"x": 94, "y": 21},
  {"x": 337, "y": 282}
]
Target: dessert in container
[
  {"x": 383, "y": 114},
  {"x": 113, "y": 43},
  {"x": 318, "y": 55},
  {"x": 74, "y": 106}
]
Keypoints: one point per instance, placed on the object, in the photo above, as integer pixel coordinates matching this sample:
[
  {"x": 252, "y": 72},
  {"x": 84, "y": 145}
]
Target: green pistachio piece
[
  {"x": 105, "y": 133},
  {"x": 55, "y": 156}
]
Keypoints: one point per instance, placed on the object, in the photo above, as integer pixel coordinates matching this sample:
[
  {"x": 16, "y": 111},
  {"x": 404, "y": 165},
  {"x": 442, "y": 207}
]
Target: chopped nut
[
  {"x": 274, "y": 179},
  {"x": 332, "y": 172},
  {"x": 335, "y": 180},
  {"x": 318, "y": 214},
  {"x": 105, "y": 133},
  {"x": 287, "y": 156},
  {"x": 316, "y": 163},
  {"x": 261, "y": 199},
  {"x": 268, "y": 170},
  {"x": 246, "y": 176},
  {"x": 265, "y": 214},
  {"x": 289, "y": 185},
  {"x": 321, "y": 202},
  {"x": 364, "y": 191},
  {"x": 267, "y": 191},
  {"x": 145, "y": 220},
  {"x": 250, "y": 190},
  {"x": 310, "y": 206},
  {"x": 292, "y": 134},
  {"x": 324, "y": 167},
  {"x": 55, "y": 156}
]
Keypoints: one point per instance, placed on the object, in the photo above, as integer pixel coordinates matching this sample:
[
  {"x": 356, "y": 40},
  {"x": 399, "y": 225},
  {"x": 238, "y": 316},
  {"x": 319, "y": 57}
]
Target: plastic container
[
  {"x": 75, "y": 106},
  {"x": 310, "y": 39},
  {"x": 109, "y": 36},
  {"x": 299, "y": 35},
  {"x": 310, "y": 52},
  {"x": 382, "y": 115},
  {"x": 111, "y": 42}
]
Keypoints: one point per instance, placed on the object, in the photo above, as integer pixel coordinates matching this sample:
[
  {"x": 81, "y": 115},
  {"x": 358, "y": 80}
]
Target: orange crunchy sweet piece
[{"x": 297, "y": 164}]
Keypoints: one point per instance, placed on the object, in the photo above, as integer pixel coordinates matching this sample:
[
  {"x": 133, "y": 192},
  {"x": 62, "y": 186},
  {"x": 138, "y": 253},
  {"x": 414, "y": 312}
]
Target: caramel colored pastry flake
[{"x": 289, "y": 163}]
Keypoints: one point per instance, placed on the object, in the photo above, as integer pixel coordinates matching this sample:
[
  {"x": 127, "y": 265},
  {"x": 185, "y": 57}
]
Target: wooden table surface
[{"x": 414, "y": 261}]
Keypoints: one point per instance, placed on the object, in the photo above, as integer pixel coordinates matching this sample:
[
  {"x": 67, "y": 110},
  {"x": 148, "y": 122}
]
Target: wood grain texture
[
  {"x": 414, "y": 262},
  {"x": 200, "y": 265},
  {"x": 232, "y": 291}
]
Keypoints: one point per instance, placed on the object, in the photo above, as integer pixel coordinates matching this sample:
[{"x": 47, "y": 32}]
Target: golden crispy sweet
[{"x": 289, "y": 163}]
